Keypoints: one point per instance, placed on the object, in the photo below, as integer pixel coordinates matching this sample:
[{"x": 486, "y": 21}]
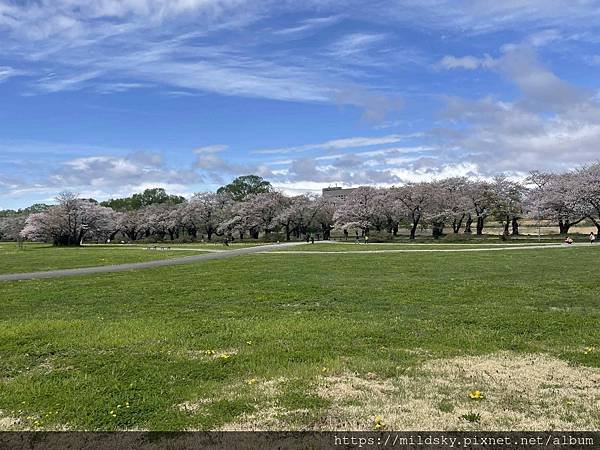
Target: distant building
[{"x": 337, "y": 194}]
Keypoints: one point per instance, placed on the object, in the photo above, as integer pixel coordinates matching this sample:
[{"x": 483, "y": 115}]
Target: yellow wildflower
[
  {"x": 476, "y": 395},
  {"x": 378, "y": 423}
]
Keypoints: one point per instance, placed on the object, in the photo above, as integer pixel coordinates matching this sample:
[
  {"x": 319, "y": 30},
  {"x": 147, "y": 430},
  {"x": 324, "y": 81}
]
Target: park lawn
[
  {"x": 36, "y": 257},
  {"x": 309, "y": 342}
]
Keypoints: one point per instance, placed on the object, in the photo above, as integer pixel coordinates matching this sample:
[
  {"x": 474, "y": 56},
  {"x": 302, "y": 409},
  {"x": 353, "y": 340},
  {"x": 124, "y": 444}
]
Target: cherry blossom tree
[
  {"x": 587, "y": 191},
  {"x": 482, "y": 199},
  {"x": 132, "y": 224},
  {"x": 361, "y": 209},
  {"x": 414, "y": 198},
  {"x": 554, "y": 197},
  {"x": 70, "y": 222},
  {"x": 508, "y": 203},
  {"x": 11, "y": 227},
  {"x": 204, "y": 212},
  {"x": 296, "y": 216}
]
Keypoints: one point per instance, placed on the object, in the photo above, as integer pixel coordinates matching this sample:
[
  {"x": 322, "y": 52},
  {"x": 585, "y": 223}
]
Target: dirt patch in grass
[{"x": 517, "y": 392}]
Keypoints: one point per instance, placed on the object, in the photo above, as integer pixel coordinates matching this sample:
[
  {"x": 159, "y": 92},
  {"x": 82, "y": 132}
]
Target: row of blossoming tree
[{"x": 241, "y": 210}]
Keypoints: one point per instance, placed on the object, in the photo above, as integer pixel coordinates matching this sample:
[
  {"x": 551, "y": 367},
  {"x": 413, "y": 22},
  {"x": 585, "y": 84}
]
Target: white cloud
[
  {"x": 488, "y": 16},
  {"x": 466, "y": 62},
  {"x": 345, "y": 143},
  {"x": 7, "y": 72},
  {"x": 309, "y": 25},
  {"x": 216, "y": 148},
  {"x": 352, "y": 44}
]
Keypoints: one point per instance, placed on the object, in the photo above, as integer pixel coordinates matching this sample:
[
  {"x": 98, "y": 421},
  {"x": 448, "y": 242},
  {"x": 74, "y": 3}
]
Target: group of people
[{"x": 592, "y": 239}]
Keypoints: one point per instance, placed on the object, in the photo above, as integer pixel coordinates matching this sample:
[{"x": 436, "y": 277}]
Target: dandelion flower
[
  {"x": 476, "y": 395},
  {"x": 378, "y": 423},
  {"x": 251, "y": 381}
]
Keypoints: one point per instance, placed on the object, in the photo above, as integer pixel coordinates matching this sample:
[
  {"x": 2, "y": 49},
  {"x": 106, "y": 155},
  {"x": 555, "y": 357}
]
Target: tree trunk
[
  {"x": 468, "y": 224},
  {"x": 437, "y": 230},
  {"x": 564, "y": 226},
  {"x": 515, "y": 226},
  {"x": 506, "y": 225},
  {"x": 597, "y": 224},
  {"x": 413, "y": 230},
  {"x": 456, "y": 224},
  {"x": 480, "y": 225}
]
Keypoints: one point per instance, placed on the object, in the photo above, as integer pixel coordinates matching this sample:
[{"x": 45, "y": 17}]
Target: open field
[
  {"x": 309, "y": 342},
  {"x": 40, "y": 257}
]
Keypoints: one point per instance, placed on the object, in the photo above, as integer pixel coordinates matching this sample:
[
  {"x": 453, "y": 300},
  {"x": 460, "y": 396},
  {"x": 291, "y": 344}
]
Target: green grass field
[
  {"x": 40, "y": 257},
  {"x": 393, "y": 341}
]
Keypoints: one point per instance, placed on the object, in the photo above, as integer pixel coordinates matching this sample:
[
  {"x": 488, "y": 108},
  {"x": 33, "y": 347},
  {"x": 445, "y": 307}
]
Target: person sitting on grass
[
  {"x": 568, "y": 240},
  {"x": 592, "y": 237}
]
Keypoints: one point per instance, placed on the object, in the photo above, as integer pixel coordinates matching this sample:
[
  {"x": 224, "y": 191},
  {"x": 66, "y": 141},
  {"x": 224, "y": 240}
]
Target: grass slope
[{"x": 294, "y": 342}]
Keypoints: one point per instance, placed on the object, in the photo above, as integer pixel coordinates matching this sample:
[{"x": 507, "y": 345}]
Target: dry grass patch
[
  {"x": 520, "y": 392},
  {"x": 9, "y": 423},
  {"x": 517, "y": 392}
]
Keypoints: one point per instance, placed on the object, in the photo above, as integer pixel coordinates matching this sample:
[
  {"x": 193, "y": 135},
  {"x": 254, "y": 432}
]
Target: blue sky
[{"x": 109, "y": 97}]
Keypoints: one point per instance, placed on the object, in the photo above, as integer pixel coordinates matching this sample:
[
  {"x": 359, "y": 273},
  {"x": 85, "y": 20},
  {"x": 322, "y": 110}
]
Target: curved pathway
[
  {"x": 434, "y": 250},
  {"x": 143, "y": 265}
]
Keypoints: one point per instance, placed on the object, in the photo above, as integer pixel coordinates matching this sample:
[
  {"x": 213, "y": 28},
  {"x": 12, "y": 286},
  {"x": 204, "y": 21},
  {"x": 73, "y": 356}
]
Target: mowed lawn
[
  {"x": 35, "y": 257},
  {"x": 293, "y": 341}
]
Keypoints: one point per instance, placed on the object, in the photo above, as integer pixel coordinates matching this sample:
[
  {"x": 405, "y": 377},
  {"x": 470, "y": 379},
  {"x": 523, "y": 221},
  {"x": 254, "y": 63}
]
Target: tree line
[{"x": 249, "y": 207}]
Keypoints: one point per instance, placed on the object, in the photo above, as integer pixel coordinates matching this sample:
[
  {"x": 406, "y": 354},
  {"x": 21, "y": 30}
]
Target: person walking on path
[
  {"x": 592, "y": 237},
  {"x": 357, "y": 238},
  {"x": 366, "y": 239}
]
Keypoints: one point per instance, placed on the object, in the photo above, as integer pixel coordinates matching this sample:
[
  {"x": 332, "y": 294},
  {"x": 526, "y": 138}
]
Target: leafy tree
[
  {"x": 154, "y": 196},
  {"x": 242, "y": 187}
]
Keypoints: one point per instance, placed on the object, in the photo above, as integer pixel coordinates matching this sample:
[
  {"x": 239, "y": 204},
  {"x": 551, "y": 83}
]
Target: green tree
[
  {"x": 240, "y": 188},
  {"x": 153, "y": 196}
]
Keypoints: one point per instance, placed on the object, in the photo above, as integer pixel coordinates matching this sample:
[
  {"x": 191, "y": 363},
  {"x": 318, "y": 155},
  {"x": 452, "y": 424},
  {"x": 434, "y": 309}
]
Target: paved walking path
[
  {"x": 144, "y": 265},
  {"x": 433, "y": 250}
]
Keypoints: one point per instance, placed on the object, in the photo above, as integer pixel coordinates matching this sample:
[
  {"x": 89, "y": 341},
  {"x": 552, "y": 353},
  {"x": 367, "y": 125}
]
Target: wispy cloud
[
  {"x": 308, "y": 25},
  {"x": 337, "y": 144},
  {"x": 7, "y": 72}
]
